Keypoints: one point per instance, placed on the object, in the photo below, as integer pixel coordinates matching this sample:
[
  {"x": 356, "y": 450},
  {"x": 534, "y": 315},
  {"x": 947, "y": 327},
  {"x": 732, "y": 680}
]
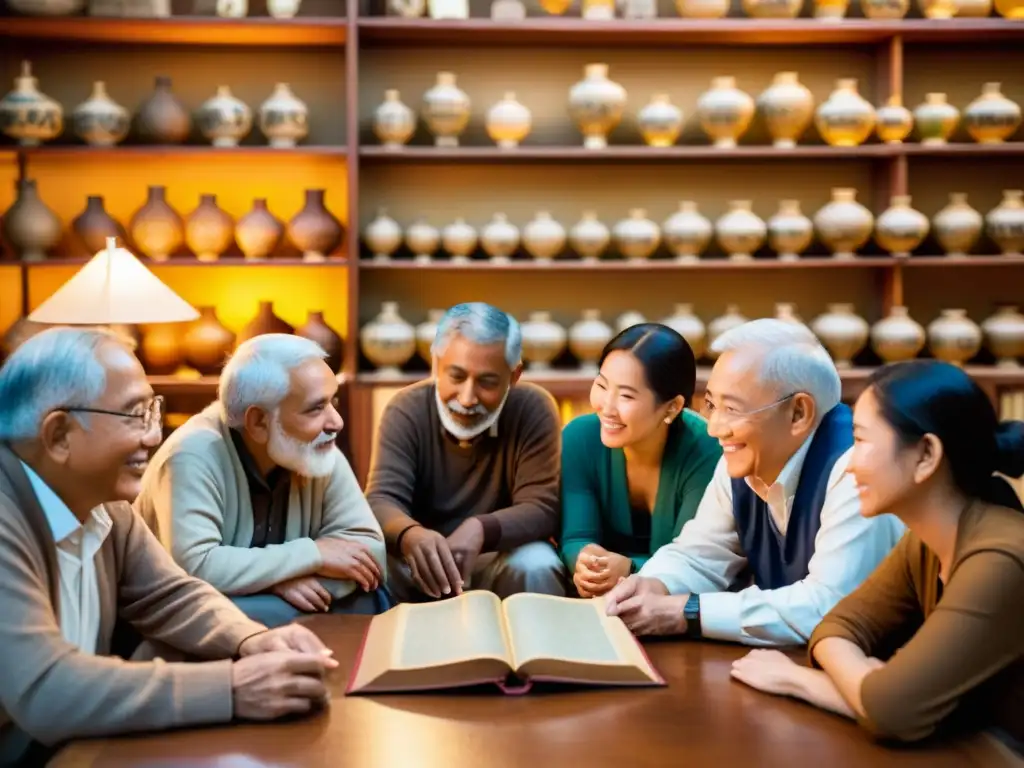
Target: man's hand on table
[
  {"x": 429, "y": 557},
  {"x": 646, "y": 607},
  {"x": 305, "y": 593},
  {"x": 349, "y": 560}
]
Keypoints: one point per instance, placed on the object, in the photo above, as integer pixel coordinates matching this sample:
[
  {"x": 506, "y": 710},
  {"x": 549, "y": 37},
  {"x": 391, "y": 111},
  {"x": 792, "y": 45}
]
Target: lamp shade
[{"x": 114, "y": 287}]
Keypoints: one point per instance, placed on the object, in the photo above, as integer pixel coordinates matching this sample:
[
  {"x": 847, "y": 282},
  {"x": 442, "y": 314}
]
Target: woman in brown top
[{"x": 933, "y": 640}]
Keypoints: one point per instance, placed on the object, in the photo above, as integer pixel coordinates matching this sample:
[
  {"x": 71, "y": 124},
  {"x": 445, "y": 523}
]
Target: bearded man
[
  {"x": 466, "y": 465},
  {"x": 253, "y": 496}
]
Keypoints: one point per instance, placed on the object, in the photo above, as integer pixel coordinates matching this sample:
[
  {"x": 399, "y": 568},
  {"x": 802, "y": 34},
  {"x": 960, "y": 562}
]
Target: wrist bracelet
[{"x": 398, "y": 539}]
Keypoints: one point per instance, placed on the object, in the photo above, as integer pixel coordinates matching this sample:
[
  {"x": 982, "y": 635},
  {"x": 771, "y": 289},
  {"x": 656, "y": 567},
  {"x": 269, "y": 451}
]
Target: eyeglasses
[
  {"x": 731, "y": 415},
  {"x": 151, "y": 416}
]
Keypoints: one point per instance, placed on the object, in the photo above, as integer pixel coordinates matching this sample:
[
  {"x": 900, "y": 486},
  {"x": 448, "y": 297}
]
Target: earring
[{"x": 668, "y": 419}]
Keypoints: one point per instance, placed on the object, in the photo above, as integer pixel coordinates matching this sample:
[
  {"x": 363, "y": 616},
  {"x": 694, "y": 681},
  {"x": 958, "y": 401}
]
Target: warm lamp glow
[{"x": 113, "y": 288}]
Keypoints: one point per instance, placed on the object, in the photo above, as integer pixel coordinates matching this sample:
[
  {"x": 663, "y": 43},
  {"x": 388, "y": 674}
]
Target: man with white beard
[
  {"x": 253, "y": 496},
  {"x": 466, "y": 467}
]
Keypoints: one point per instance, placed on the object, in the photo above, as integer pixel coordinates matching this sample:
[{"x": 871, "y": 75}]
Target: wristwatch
[{"x": 691, "y": 612}]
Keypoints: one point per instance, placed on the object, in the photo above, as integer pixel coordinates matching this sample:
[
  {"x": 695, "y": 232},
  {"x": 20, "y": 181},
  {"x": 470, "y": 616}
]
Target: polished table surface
[{"x": 703, "y": 718}]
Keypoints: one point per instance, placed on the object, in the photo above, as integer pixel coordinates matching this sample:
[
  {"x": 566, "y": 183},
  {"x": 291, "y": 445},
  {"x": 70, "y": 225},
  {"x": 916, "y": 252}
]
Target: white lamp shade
[{"x": 114, "y": 287}]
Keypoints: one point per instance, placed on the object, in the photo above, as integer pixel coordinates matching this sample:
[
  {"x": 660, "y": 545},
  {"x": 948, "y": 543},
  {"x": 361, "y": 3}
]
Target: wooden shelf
[
  {"x": 672, "y": 31},
  {"x": 178, "y": 386},
  {"x": 133, "y": 151},
  {"x": 332, "y": 261},
  {"x": 623, "y": 265},
  {"x": 179, "y": 30},
  {"x": 1016, "y": 260}
]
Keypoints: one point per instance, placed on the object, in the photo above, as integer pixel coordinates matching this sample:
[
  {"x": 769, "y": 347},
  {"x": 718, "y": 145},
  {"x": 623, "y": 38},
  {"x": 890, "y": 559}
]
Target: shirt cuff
[
  {"x": 492, "y": 532},
  {"x": 720, "y": 616}
]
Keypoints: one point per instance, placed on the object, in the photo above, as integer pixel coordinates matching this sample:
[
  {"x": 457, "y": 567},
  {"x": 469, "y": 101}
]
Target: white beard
[
  {"x": 296, "y": 456},
  {"x": 444, "y": 411}
]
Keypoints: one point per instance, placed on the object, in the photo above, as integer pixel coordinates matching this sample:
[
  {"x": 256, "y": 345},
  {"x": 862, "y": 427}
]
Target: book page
[{"x": 469, "y": 626}]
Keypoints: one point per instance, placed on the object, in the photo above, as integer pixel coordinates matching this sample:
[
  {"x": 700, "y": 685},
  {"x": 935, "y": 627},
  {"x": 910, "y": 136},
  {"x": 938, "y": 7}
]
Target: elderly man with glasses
[{"x": 778, "y": 537}]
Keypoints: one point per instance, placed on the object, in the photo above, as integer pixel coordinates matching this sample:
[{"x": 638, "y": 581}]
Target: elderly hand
[
  {"x": 265, "y": 686},
  {"x": 769, "y": 671},
  {"x": 305, "y": 593},
  {"x": 645, "y": 606},
  {"x": 465, "y": 543},
  {"x": 598, "y": 570},
  {"x": 291, "y": 637},
  {"x": 429, "y": 557},
  {"x": 350, "y": 561}
]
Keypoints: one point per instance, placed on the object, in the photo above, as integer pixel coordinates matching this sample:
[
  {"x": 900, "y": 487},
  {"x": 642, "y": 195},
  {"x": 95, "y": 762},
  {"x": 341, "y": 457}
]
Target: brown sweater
[
  {"x": 49, "y": 689},
  {"x": 955, "y": 652},
  {"x": 508, "y": 477}
]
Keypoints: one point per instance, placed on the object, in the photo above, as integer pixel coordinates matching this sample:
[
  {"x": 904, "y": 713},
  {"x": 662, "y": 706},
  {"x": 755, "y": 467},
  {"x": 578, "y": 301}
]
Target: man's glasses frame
[{"x": 152, "y": 416}]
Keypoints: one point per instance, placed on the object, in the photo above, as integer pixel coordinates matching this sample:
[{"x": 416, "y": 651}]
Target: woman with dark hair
[
  {"x": 933, "y": 640},
  {"x": 634, "y": 470}
]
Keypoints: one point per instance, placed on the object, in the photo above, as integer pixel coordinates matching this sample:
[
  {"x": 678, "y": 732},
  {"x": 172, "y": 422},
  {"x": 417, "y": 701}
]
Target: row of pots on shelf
[
  {"x": 31, "y": 117},
  {"x": 33, "y": 230},
  {"x": 789, "y": 9},
  {"x": 725, "y": 114},
  {"x": 389, "y": 341},
  {"x": 843, "y": 226}
]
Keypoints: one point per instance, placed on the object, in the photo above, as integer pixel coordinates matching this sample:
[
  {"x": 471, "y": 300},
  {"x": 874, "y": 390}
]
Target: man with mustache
[
  {"x": 253, "y": 495},
  {"x": 466, "y": 466}
]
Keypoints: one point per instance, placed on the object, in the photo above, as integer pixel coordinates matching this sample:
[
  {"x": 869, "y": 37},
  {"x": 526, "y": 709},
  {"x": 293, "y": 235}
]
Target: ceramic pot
[
  {"x": 589, "y": 237},
  {"x": 316, "y": 329},
  {"x": 702, "y": 9},
  {"x": 382, "y": 236},
  {"x": 897, "y": 337},
  {"x": 786, "y": 310},
  {"x": 223, "y": 119},
  {"x": 543, "y": 237},
  {"x": 543, "y": 341},
  {"x": 284, "y": 118},
  {"x": 893, "y": 121},
  {"x": 500, "y": 238},
  {"x": 314, "y": 230},
  {"x": 846, "y": 118},
  {"x": 957, "y": 226},
  {"x": 1004, "y": 224},
  {"x": 831, "y": 10},
  {"x": 94, "y": 225},
  {"x": 628, "y": 319},
  {"x": 885, "y": 9},
  {"x": 938, "y": 9},
  {"x": 259, "y": 233},
  {"x": 787, "y": 106},
  {"x": 900, "y": 229},
  {"x": 162, "y": 118},
  {"x": 30, "y": 227},
  {"x": 446, "y": 110},
  {"x": 209, "y": 231},
  {"x": 789, "y": 231},
  {"x": 973, "y": 9},
  {"x": 935, "y": 119},
  {"x": 388, "y": 341},
  {"x": 684, "y": 322},
  {"x": 508, "y": 122},
  {"x": 687, "y": 232},
  {"x": 843, "y": 333},
  {"x": 660, "y": 121},
  {"x": 740, "y": 232},
  {"x": 17, "y": 334},
  {"x": 27, "y": 115},
  {"x": 156, "y": 229},
  {"x": 459, "y": 240},
  {"x": 772, "y": 9},
  {"x": 555, "y": 7},
  {"x": 992, "y": 118},
  {"x": 232, "y": 9},
  {"x": 426, "y": 332},
  {"x": 46, "y": 7},
  {"x": 724, "y": 112},
  {"x": 207, "y": 343},
  {"x": 422, "y": 239},
  {"x": 954, "y": 337},
  {"x": 732, "y": 318},
  {"x": 844, "y": 225},
  {"x": 264, "y": 322},
  {"x": 1004, "y": 335},
  {"x": 587, "y": 339},
  {"x": 596, "y": 105},
  {"x": 99, "y": 120},
  {"x": 394, "y": 123},
  {"x": 283, "y": 9},
  {"x": 636, "y": 237},
  {"x": 161, "y": 352}
]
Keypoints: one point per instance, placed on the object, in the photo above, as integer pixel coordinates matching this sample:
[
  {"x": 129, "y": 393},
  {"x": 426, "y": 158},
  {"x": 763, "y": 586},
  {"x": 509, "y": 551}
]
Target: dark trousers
[{"x": 273, "y": 611}]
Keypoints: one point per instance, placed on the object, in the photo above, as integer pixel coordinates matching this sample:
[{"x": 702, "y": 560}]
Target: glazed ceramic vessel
[
  {"x": 897, "y": 337},
  {"x": 382, "y": 236},
  {"x": 99, "y": 120},
  {"x": 316, "y": 329},
  {"x": 844, "y": 225},
  {"x": 543, "y": 237},
  {"x": 500, "y": 238},
  {"x": 388, "y": 341},
  {"x": 894, "y": 122},
  {"x": 394, "y": 122},
  {"x": 684, "y": 322},
  {"x": 30, "y": 227},
  {"x": 935, "y": 119},
  {"x": 315, "y": 230},
  {"x": 283, "y": 9},
  {"x": 842, "y": 331},
  {"x": 259, "y": 233},
  {"x": 636, "y": 237},
  {"x": 207, "y": 342},
  {"x": 156, "y": 229},
  {"x": 702, "y": 9},
  {"x": 422, "y": 239},
  {"x": 790, "y": 232},
  {"x": 992, "y": 118},
  {"x": 1004, "y": 224},
  {"x": 786, "y": 310},
  {"x": 957, "y": 226},
  {"x": 508, "y": 122},
  {"x": 162, "y": 118},
  {"x": 589, "y": 237},
  {"x": 446, "y": 110},
  {"x": 27, "y": 115},
  {"x": 732, "y": 318},
  {"x": 94, "y": 225},
  {"x": 787, "y": 106},
  {"x": 284, "y": 118},
  {"x": 772, "y": 9},
  {"x": 543, "y": 341},
  {"x": 263, "y": 322},
  {"x": 628, "y": 319},
  {"x": 845, "y": 119},
  {"x": 687, "y": 232},
  {"x": 459, "y": 240},
  {"x": 1004, "y": 335},
  {"x": 954, "y": 337},
  {"x": 587, "y": 338},
  {"x": 660, "y": 121},
  {"x": 885, "y": 9},
  {"x": 596, "y": 105},
  {"x": 900, "y": 229},
  {"x": 209, "y": 230},
  {"x": 740, "y": 232},
  {"x": 224, "y": 119},
  {"x": 724, "y": 112},
  {"x": 426, "y": 332},
  {"x": 161, "y": 351}
]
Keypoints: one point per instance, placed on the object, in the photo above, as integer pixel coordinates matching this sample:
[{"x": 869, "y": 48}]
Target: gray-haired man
[{"x": 466, "y": 466}]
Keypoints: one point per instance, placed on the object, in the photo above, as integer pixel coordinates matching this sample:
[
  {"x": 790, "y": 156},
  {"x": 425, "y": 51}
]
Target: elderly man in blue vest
[{"x": 778, "y": 537}]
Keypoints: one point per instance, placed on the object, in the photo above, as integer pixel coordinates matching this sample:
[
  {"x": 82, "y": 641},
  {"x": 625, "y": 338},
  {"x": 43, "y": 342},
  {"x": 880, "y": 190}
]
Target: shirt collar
[
  {"x": 252, "y": 472},
  {"x": 789, "y": 478},
  {"x": 62, "y": 520}
]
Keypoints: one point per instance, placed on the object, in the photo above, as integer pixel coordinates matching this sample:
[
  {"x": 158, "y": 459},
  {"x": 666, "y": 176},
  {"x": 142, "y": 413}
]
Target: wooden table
[{"x": 703, "y": 718}]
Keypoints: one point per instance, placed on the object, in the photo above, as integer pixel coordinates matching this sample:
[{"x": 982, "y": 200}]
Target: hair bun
[{"x": 1010, "y": 447}]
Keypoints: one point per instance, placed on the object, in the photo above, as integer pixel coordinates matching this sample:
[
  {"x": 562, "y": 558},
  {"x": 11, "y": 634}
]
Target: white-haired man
[
  {"x": 253, "y": 495},
  {"x": 466, "y": 468},
  {"x": 78, "y": 421},
  {"x": 778, "y": 537}
]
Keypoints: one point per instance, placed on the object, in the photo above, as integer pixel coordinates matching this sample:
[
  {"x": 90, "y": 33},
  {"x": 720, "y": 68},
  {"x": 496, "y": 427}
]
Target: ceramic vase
[
  {"x": 543, "y": 237},
  {"x": 687, "y": 232},
  {"x": 885, "y": 9},
  {"x": 232, "y": 9},
  {"x": 844, "y": 225},
  {"x": 702, "y": 9},
  {"x": 954, "y": 337},
  {"x": 223, "y": 119},
  {"x": 314, "y": 230},
  {"x": 938, "y": 9},
  {"x": 99, "y": 120},
  {"x": 636, "y": 237},
  {"x": 209, "y": 231},
  {"x": 46, "y": 7},
  {"x": 382, "y": 236},
  {"x": 732, "y": 318},
  {"x": 30, "y": 227},
  {"x": 162, "y": 118},
  {"x": 893, "y": 121},
  {"x": 788, "y": 107},
  {"x": 786, "y": 310},
  {"x": 459, "y": 240},
  {"x": 283, "y": 9},
  {"x": 426, "y": 332},
  {"x": 596, "y": 105},
  {"x": 830, "y": 10},
  {"x": 508, "y": 122},
  {"x": 900, "y": 229},
  {"x": 843, "y": 333},
  {"x": 628, "y": 319},
  {"x": 587, "y": 338},
  {"x": 388, "y": 341},
  {"x": 265, "y": 321},
  {"x": 1004, "y": 335},
  {"x": 790, "y": 232},
  {"x": 500, "y": 238},
  {"x": 935, "y": 119},
  {"x": 957, "y": 226},
  {"x": 284, "y": 118},
  {"x": 589, "y": 237},
  {"x": 394, "y": 123},
  {"x": 259, "y": 233},
  {"x": 660, "y": 121},
  {"x": 973, "y": 9},
  {"x": 94, "y": 225},
  {"x": 1010, "y": 9},
  {"x": 772, "y": 9},
  {"x": 543, "y": 341},
  {"x": 992, "y": 118},
  {"x": 422, "y": 239},
  {"x": 684, "y": 322},
  {"x": 446, "y": 110},
  {"x": 316, "y": 329},
  {"x": 897, "y": 337},
  {"x": 27, "y": 115},
  {"x": 845, "y": 119},
  {"x": 1004, "y": 224},
  {"x": 207, "y": 343},
  {"x": 160, "y": 351},
  {"x": 156, "y": 229},
  {"x": 740, "y": 232},
  {"x": 724, "y": 112}
]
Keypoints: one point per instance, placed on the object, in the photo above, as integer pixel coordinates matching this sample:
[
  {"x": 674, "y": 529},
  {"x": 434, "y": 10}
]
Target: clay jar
[
  {"x": 259, "y": 232},
  {"x": 589, "y": 237},
  {"x": 31, "y": 228},
  {"x": 893, "y": 121},
  {"x": 935, "y": 119},
  {"x": 725, "y": 112},
  {"x": 543, "y": 341},
  {"x": 954, "y": 337},
  {"x": 790, "y": 232},
  {"x": 900, "y": 228},
  {"x": 446, "y": 110},
  {"x": 207, "y": 343},
  {"x": 316, "y": 329},
  {"x": 499, "y": 238},
  {"x": 636, "y": 237},
  {"x": 314, "y": 230},
  {"x": 732, "y": 318},
  {"x": 99, "y": 120},
  {"x": 209, "y": 231},
  {"x": 394, "y": 122},
  {"x": 27, "y": 115},
  {"x": 787, "y": 106},
  {"x": 161, "y": 351},
  {"x": 897, "y": 337},
  {"x": 844, "y": 225},
  {"x": 94, "y": 225},
  {"x": 543, "y": 237},
  {"x": 508, "y": 122},
  {"x": 687, "y": 232},
  {"x": 459, "y": 240},
  {"x": 1004, "y": 335},
  {"x": 991, "y": 118},
  {"x": 1005, "y": 223},
  {"x": 846, "y": 118},
  {"x": 162, "y": 118},
  {"x": 224, "y": 119},
  {"x": 842, "y": 331},
  {"x": 382, "y": 236},
  {"x": 264, "y": 322},
  {"x": 740, "y": 232},
  {"x": 388, "y": 341},
  {"x": 587, "y": 337},
  {"x": 284, "y": 118},
  {"x": 156, "y": 228},
  {"x": 684, "y": 322},
  {"x": 596, "y": 105},
  {"x": 426, "y": 332},
  {"x": 957, "y": 226},
  {"x": 660, "y": 122}
]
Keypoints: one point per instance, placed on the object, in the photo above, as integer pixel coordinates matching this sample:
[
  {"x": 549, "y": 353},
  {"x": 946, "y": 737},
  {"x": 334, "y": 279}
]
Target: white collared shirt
[
  {"x": 706, "y": 558},
  {"x": 77, "y": 546}
]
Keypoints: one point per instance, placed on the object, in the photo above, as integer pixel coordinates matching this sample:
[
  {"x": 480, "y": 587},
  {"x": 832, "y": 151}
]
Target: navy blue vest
[{"x": 774, "y": 560}]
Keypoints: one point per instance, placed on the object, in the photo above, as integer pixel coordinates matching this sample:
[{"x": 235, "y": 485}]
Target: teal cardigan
[{"x": 595, "y": 492}]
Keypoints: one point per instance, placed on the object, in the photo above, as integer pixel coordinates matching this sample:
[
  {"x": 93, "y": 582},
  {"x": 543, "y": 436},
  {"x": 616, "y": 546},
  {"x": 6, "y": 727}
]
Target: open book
[{"x": 476, "y": 638}]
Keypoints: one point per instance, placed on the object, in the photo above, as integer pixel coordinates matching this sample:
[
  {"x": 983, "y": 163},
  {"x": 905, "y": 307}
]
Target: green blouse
[{"x": 595, "y": 492}]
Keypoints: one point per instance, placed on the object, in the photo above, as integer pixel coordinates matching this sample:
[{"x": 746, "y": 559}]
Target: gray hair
[
  {"x": 480, "y": 323},
  {"x": 56, "y": 368},
  {"x": 794, "y": 359},
  {"x": 259, "y": 373}
]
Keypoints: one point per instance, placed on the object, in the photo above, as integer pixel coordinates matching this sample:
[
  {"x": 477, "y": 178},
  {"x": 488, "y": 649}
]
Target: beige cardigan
[
  {"x": 195, "y": 497},
  {"x": 49, "y": 689}
]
